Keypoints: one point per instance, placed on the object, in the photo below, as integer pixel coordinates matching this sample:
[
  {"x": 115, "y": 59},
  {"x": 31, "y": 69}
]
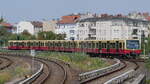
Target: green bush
[
  {"x": 4, "y": 77},
  {"x": 81, "y": 60}
]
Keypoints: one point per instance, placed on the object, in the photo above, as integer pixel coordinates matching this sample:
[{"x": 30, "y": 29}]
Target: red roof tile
[
  {"x": 6, "y": 24},
  {"x": 69, "y": 19},
  {"x": 37, "y": 24}
]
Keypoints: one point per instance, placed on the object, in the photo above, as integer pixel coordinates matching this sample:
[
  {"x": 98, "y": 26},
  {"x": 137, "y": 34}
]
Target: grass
[
  {"x": 16, "y": 71},
  {"x": 4, "y": 77},
  {"x": 147, "y": 81},
  {"x": 80, "y": 60},
  {"x": 8, "y": 75}
]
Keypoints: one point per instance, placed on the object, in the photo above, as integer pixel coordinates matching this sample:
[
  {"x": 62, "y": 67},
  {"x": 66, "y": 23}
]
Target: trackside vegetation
[
  {"x": 79, "y": 60},
  {"x": 14, "y": 72}
]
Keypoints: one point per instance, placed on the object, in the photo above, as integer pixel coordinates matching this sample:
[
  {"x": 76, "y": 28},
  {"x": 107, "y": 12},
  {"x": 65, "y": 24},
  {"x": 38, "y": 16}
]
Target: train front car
[{"x": 133, "y": 48}]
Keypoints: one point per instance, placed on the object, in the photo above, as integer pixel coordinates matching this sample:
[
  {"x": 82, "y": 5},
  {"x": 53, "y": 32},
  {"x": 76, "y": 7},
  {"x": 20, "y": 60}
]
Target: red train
[{"x": 124, "y": 48}]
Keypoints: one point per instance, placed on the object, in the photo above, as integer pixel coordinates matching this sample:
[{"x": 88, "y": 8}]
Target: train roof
[{"x": 65, "y": 40}]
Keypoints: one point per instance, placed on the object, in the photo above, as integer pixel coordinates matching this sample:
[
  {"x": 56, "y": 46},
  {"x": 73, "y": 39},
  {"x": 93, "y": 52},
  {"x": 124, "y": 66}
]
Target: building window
[
  {"x": 82, "y": 25},
  {"x": 72, "y": 38},
  {"x": 135, "y": 31},
  {"x": 72, "y": 31}
]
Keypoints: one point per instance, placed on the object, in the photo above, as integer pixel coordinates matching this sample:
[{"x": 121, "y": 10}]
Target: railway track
[
  {"x": 53, "y": 73},
  {"x": 5, "y": 62},
  {"x": 139, "y": 70},
  {"x": 129, "y": 65}
]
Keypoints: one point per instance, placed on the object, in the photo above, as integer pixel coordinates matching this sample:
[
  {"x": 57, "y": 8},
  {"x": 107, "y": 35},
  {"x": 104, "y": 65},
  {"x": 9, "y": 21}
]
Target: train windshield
[{"x": 133, "y": 44}]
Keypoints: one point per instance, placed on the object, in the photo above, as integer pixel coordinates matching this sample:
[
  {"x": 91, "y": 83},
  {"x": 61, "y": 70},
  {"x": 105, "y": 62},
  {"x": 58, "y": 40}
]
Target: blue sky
[{"x": 18, "y": 10}]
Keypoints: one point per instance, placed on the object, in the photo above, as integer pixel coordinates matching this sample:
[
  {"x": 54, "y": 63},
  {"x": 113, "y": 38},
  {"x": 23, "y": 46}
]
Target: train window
[
  {"x": 74, "y": 44},
  {"x": 59, "y": 44},
  {"x": 17, "y": 44},
  {"x": 89, "y": 44},
  {"x": 83, "y": 45},
  {"x": 86, "y": 45},
  {"x": 28, "y": 43},
  {"x": 112, "y": 45},
  {"x": 31, "y": 44},
  {"x": 36, "y": 44},
  {"x": 100, "y": 45},
  {"x": 63, "y": 44},
  {"x": 71, "y": 45},
  {"x": 97, "y": 45},
  {"x": 41, "y": 44},
  {"x": 49, "y": 44},
  {"x": 80, "y": 45},
  {"x": 23, "y": 44},
  {"x": 103, "y": 45},
  {"x": 108, "y": 45},
  {"x": 46, "y": 44},
  {"x": 120, "y": 45},
  {"x": 11, "y": 43},
  {"x": 93, "y": 45},
  {"x": 56, "y": 44},
  {"x": 117, "y": 44},
  {"x": 123, "y": 45},
  {"x": 66, "y": 44}
]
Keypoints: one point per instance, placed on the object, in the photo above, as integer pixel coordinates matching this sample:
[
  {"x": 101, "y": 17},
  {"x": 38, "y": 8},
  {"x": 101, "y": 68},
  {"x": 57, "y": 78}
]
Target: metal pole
[
  {"x": 144, "y": 50},
  {"x": 32, "y": 65}
]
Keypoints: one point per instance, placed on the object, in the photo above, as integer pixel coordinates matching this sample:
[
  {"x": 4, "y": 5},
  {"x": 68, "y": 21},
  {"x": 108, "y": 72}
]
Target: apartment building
[
  {"x": 111, "y": 28},
  {"x": 32, "y": 27},
  {"x": 67, "y": 25},
  {"x": 50, "y": 25}
]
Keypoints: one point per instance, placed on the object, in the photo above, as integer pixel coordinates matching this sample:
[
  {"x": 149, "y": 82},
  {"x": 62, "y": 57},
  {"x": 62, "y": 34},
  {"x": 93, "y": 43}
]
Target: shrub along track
[{"x": 128, "y": 66}]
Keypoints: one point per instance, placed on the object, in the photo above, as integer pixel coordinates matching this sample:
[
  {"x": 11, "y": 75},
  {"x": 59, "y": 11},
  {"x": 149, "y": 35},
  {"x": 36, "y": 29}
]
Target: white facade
[
  {"x": 29, "y": 26},
  {"x": 69, "y": 29},
  {"x": 111, "y": 29},
  {"x": 24, "y": 25},
  {"x": 49, "y": 25}
]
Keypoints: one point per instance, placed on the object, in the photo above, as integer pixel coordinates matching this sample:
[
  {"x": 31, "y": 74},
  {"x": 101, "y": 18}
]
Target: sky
[{"x": 30, "y": 10}]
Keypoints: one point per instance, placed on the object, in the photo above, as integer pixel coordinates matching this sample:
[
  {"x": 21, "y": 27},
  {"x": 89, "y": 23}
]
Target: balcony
[
  {"x": 91, "y": 27},
  {"x": 92, "y": 31},
  {"x": 91, "y": 37}
]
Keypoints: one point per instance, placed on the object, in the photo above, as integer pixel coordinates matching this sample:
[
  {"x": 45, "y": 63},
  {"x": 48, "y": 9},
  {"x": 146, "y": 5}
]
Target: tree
[
  {"x": 1, "y": 19},
  {"x": 61, "y": 36},
  {"x": 4, "y": 34},
  {"x": 46, "y": 36},
  {"x": 25, "y": 32}
]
